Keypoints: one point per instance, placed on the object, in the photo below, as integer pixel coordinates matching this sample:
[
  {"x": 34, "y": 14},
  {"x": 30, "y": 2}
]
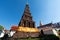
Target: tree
[{"x": 1, "y": 27}]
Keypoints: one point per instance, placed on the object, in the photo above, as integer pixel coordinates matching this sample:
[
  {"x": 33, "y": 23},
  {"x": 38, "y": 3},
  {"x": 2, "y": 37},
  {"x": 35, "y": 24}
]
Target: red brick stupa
[{"x": 26, "y": 27}]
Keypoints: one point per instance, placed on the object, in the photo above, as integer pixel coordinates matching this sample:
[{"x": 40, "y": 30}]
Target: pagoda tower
[
  {"x": 26, "y": 20},
  {"x": 41, "y": 23}
]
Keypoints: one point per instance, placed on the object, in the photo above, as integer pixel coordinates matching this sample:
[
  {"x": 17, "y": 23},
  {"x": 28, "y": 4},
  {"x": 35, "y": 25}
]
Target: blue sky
[{"x": 41, "y": 10}]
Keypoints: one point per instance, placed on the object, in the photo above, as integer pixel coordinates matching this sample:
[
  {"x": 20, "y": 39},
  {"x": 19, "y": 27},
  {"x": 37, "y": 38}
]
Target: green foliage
[
  {"x": 49, "y": 37},
  {"x": 45, "y": 37},
  {"x": 1, "y": 27},
  {"x": 28, "y": 38}
]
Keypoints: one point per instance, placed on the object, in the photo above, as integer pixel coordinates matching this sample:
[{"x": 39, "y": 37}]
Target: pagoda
[
  {"x": 26, "y": 27},
  {"x": 26, "y": 20}
]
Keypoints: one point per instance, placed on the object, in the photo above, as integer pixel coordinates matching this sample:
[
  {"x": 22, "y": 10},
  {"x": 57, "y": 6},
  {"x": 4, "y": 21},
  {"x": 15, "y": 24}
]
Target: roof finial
[
  {"x": 26, "y": 1},
  {"x": 41, "y": 23}
]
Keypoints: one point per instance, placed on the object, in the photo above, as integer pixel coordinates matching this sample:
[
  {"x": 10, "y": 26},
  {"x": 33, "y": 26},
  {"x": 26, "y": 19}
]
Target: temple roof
[{"x": 46, "y": 25}]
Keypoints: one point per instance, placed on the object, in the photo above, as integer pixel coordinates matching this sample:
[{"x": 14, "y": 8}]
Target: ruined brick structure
[{"x": 26, "y": 20}]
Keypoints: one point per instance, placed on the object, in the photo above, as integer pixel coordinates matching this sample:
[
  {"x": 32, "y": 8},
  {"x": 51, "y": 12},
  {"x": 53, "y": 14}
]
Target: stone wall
[{"x": 25, "y": 34}]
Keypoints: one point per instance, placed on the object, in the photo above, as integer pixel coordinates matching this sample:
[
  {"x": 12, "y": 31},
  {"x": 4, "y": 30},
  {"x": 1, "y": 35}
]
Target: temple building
[
  {"x": 26, "y": 20},
  {"x": 26, "y": 27},
  {"x": 46, "y": 25}
]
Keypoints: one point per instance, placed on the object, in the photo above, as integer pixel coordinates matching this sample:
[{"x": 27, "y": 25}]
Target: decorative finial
[
  {"x": 26, "y": 1},
  {"x": 40, "y": 23}
]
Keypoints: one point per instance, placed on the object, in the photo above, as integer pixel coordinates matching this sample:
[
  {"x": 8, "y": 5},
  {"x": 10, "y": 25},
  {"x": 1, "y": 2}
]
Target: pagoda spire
[
  {"x": 41, "y": 23},
  {"x": 26, "y": 1},
  {"x": 27, "y": 19},
  {"x": 27, "y": 9}
]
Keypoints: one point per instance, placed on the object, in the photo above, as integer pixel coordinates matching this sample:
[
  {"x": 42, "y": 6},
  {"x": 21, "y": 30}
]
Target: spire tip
[{"x": 26, "y": 1}]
